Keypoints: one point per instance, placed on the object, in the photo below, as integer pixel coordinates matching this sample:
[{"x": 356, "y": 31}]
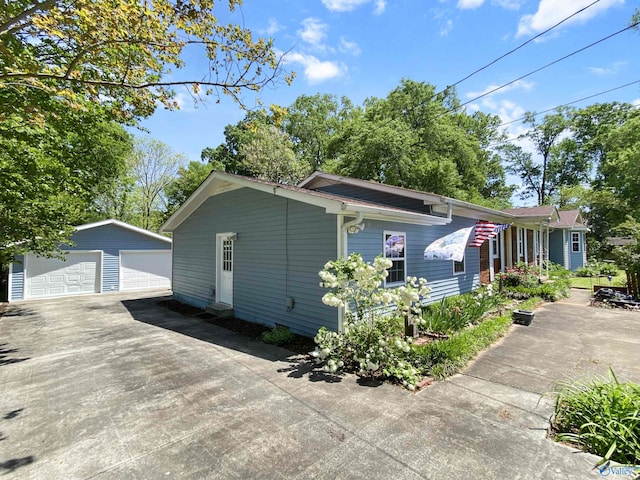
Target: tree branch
[{"x": 6, "y": 27}]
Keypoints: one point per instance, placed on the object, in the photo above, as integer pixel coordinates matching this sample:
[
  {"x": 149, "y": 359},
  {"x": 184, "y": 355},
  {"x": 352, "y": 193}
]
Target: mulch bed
[
  {"x": 3, "y": 308},
  {"x": 299, "y": 344}
]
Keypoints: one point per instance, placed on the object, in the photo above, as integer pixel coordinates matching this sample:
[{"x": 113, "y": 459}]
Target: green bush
[
  {"x": 595, "y": 268},
  {"x": 370, "y": 347},
  {"x": 520, "y": 275},
  {"x": 586, "y": 271},
  {"x": 279, "y": 336},
  {"x": 452, "y": 314},
  {"x": 601, "y": 416},
  {"x": 446, "y": 357}
]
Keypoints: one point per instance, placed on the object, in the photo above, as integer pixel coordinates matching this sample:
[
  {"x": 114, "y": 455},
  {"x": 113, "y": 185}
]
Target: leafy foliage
[
  {"x": 279, "y": 335},
  {"x": 452, "y": 314},
  {"x": 601, "y": 416},
  {"x": 50, "y": 175},
  {"x": 522, "y": 282},
  {"x": 118, "y": 55},
  {"x": 595, "y": 268},
  {"x": 447, "y": 357}
]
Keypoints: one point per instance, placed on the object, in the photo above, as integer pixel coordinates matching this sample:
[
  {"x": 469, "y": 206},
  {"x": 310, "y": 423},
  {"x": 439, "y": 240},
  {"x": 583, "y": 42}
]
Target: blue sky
[{"x": 363, "y": 48}]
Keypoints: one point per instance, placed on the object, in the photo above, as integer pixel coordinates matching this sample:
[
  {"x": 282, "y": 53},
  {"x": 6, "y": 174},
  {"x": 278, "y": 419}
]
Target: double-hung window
[
  {"x": 575, "y": 242},
  {"x": 394, "y": 248}
]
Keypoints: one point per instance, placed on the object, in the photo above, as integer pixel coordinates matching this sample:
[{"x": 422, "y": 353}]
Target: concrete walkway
[{"x": 114, "y": 386}]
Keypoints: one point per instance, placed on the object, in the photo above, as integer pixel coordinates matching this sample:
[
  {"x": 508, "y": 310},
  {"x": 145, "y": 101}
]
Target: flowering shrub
[
  {"x": 372, "y": 341},
  {"x": 520, "y": 275}
]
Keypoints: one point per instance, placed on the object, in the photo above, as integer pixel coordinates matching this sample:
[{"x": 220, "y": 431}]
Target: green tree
[
  {"x": 269, "y": 155},
  {"x": 51, "y": 172},
  {"x": 120, "y": 54},
  {"x": 560, "y": 164},
  {"x": 312, "y": 122},
  {"x": 413, "y": 139},
  {"x": 63, "y": 61},
  {"x": 153, "y": 167},
  {"x": 187, "y": 181}
]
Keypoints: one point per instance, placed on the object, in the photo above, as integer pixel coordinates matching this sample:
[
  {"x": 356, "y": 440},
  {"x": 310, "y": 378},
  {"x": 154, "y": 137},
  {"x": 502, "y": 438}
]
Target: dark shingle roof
[
  {"x": 540, "y": 211},
  {"x": 568, "y": 219}
]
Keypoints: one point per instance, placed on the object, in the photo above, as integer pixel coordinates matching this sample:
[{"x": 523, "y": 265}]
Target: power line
[
  {"x": 520, "y": 46},
  {"x": 535, "y": 114},
  {"x": 541, "y": 68}
]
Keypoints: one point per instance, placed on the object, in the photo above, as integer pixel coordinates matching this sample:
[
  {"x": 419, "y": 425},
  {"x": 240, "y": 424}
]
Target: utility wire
[
  {"x": 493, "y": 90},
  {"x": 520, "y": 46},
  {"x": 535, "y": 114}
]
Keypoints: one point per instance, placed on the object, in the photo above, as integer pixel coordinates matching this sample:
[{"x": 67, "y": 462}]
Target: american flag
[{"x": 485, "y": 230}]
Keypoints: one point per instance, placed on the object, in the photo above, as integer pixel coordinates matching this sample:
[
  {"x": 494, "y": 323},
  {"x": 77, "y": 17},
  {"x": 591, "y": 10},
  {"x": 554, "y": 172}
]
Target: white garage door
[
  {"x": 145, "y": 269},
  {"x": 78, "y": 273}
]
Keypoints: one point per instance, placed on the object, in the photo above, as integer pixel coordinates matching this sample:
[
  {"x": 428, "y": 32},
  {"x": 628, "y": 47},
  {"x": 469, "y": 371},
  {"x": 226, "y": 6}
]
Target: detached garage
[{"x": 108, "y": 256}]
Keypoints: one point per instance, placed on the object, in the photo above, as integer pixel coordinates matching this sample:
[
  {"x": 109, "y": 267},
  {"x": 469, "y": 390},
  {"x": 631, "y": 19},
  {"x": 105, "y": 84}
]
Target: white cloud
[
  {"x": 350, "y": 5},
  {"x": 380, "y": 6},
  {"x": 349, "y": 47},
  {"x": 520, "y": 84},
  {"x": 446, "y": 28},
  {"x": 609, "y": 70},
  {"x": 469, "y": 4},
  {"x": 509, "y": 4},
  {"x": 273, "y": 27},
  {"x": 314, "y": 32},
  {"x": 551, "y": 12},
  {"x": 636, "y": 102},
  {"x": 315, "y": 70},
  {"x": 185, "y": 101}
]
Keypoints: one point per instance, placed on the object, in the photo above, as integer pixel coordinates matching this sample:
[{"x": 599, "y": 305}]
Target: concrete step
[{"x": 220, "y": 310}]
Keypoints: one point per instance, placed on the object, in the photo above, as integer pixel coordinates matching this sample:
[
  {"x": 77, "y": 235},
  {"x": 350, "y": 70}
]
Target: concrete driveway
[{"x": 114, "y": 386}]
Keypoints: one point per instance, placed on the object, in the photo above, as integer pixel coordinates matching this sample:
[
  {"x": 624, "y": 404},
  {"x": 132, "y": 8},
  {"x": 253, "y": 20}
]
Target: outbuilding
[{"x": 105, "y": 256}]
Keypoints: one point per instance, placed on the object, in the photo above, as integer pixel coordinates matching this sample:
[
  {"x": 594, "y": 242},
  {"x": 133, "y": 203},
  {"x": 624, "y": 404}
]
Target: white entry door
[
  {"x": 78, "y": 273},
  {"x": 224, "y": 268}
]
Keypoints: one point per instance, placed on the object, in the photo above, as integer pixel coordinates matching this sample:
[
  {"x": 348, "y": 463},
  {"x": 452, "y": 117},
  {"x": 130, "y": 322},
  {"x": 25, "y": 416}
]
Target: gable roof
[
  {"x": 570, "y": 219},
  {"x": 221, "y": 182},
  {"x": 440, "y": 202},
  {"x": 530, "y": 216},
  {"x": 112, "y": 221}
]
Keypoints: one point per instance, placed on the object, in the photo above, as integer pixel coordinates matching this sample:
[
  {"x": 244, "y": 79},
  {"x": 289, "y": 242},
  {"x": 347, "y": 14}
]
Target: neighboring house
[
  {"x": 528, "y": 240},
  {"x": 107, "y": 256},
  {"x": 568, "y": 240},
  {"x": 257, "y": 246}
]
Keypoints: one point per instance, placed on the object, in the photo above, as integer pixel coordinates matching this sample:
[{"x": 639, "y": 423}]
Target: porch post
[
  {"x": 548, "y": 249},
  {"x": 540, "y": 249}
]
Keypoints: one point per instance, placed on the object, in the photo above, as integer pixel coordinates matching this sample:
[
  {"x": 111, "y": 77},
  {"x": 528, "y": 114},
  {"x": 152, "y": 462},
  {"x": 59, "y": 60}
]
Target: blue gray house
[
  {"x": 568, "y": 240},
  {"x": 257, "y": 246},
  {"x": 106, "y": 256},
  {"x": 544, "y": 233}
]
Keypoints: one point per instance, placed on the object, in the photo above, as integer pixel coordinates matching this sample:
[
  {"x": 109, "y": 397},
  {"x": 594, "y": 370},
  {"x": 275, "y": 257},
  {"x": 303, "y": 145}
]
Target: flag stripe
[{"x": 486, "y": 230}]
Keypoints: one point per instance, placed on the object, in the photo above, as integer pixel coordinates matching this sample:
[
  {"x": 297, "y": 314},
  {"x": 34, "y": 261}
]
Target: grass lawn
[{"x": 588, "y": 282}]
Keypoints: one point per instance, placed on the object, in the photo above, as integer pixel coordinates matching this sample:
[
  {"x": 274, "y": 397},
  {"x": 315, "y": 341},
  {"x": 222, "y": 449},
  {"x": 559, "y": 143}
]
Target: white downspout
[{"x": 344, "y": 228}]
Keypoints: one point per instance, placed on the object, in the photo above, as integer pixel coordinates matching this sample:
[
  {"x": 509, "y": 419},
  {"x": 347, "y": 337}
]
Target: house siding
[
  {"x": 280, "y": 248},
  {"x": 109, "y": 239},
  {"x": 370, "y": 195},
  {"x": 439, "y": 274},
  {"x": 575, "y": 258}
]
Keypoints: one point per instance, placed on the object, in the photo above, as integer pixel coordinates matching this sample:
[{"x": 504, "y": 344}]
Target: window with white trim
[
  {"x": 459, "y": 267},
  {"x": 520, "y": 243},
  {"x": 394, "y": 248},
  {"x": 575, "y": 242}
]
